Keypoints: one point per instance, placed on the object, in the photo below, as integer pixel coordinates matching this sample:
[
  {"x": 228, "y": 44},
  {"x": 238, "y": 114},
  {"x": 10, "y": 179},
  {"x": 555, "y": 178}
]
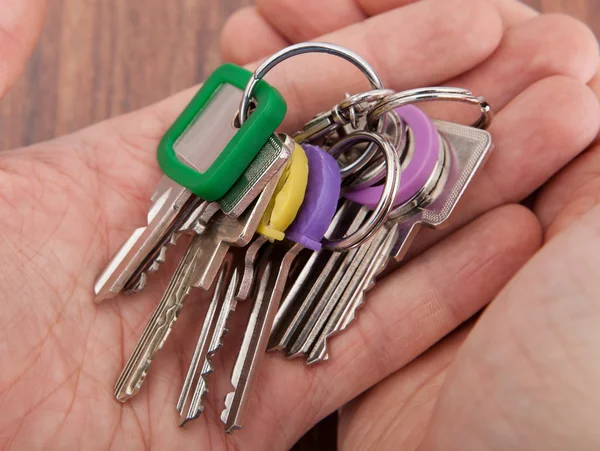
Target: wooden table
[{"x": 98, "y": 59}]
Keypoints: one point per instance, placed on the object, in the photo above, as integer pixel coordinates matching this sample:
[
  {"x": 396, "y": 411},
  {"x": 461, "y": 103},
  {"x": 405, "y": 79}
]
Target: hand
[
  {"x": 66, "y": 205},
  {"x": 524, "y": 377}
]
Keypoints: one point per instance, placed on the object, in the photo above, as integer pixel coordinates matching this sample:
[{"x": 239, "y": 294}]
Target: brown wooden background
[{"x": 100, "y": 58}]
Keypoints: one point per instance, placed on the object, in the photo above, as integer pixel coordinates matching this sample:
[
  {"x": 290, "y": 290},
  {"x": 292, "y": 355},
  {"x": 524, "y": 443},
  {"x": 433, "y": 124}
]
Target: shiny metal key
[
  {"x": 303, "y": 294},
  {"x": 273, "y": 276},
  {"x": 173, "y": 206},
  {"x": 320, "y": 324},
  {"x": 198, "y": 268},
  {"x": 191, "y": 404},
  {"x": 466, "y": 149},
  {"x": 378, "y": 249},
  {"x": 170, "y": 203}
]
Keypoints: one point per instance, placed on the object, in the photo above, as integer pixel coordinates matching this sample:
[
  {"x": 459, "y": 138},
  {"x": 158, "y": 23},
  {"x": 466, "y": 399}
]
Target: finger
[
  {"x": 533, "y": 140},
  {"x": 404, "y": 315},
  {"x": 424, "y": 42},
  {"x": 514, "y": 11},
  {"x": 526, "y": 377},
  {"x": 312, "y": 19},
  {"x": 242, "y": 39},
  {"x": 247, "y": 37},
  {"x": 302, "y": 21},
  {"x": 394, "y": 414},
  {"x": 571, "y": 194},
  {"x": 20, "y": 25},
  {"x": 526, "y": 55},
  {"x": 574, "y": 190}
]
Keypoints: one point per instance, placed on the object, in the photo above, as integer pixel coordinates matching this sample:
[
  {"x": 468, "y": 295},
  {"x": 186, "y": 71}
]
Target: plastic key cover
[
  {"x": 203, "y": 150},
  {"x": 320, "y": 201},
  {"x": 420, "y": 167},
  {"x": 288, "y": 197}
]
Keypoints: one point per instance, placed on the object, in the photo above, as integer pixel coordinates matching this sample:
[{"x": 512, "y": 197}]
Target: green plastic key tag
[{"x": 203, "y": 150}]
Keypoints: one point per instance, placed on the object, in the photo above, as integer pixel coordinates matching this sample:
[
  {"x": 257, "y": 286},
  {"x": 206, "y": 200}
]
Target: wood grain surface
[{"x": 98, "y": 59}]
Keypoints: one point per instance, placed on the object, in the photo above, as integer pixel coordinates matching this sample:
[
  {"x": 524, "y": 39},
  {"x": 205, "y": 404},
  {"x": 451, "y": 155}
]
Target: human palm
[{"x": 66, "y": 205}]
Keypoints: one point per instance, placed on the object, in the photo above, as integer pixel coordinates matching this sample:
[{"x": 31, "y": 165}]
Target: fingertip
[
  {"x": 485, "y": 29},
  {"x": 579, "y": 127},
  {"x": 523, "y": 225},
  {"x": 578, "y": 46}
]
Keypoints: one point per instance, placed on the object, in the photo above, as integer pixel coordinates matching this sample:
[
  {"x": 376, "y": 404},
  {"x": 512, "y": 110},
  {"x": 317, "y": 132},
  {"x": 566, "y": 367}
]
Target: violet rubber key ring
[
  {"x": 420, "y": 167},
  {"x": 299, "y": 49},
  {"x": 385, "y": 205}
]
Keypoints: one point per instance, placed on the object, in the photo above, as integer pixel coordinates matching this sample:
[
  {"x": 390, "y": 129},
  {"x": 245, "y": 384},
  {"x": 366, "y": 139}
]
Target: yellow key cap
[{"x": 288, "y": 197}]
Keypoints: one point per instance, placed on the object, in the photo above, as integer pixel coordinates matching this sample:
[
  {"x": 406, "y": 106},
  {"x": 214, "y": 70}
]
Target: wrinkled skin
[{"x": 522, "y": 377}]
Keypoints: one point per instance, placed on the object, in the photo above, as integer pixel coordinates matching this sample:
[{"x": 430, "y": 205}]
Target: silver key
[
  {"x": 171, "y": 208},
  {"x": 466, "y": 149},
  {"x": 169, "y": 203},
  {"x": 191, "y": 404},
  {"x": 216, "y": 342},
  {"x": 273, "y": 277},
  {"x": 378, "y": 248},
  {"x": 198, "y": 268},
  {"x": 326, "y": 300},
  {"x": 196, "y": 222},
  {"x": 302, "y": 296}
]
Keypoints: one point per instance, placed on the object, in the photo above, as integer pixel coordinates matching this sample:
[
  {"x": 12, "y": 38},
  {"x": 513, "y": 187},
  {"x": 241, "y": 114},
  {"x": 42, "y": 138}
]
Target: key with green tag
[
  {"x": 235, "y": 163},
  {"x": 204, "y": 150}
]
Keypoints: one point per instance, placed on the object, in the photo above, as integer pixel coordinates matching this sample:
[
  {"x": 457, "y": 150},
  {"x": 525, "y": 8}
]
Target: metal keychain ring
[
  {"x": 433, "y": 94},
  {"x": 356, "y": 101},
  {"x": 317, "y": 47},
  {"x": 374, "y": 172},
  {"x": 390, "y": 189},
  {"x": 299, "y": 49}
]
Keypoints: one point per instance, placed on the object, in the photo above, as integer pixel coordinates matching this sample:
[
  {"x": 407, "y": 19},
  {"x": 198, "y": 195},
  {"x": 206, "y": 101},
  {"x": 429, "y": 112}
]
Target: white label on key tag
[{"x": 199, "y": 149}]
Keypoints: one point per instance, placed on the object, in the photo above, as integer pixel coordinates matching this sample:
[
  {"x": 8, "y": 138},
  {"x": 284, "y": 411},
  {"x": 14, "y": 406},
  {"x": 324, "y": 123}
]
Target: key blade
[
  {"x": 254, "y": 344},
  {"x": 374, "y": 270},
  {"x": 185, "y": 402},
  {"x": 170, "y": 200},
  {"x": 195, "y": 211},
  {"x": 318, "y": 351},
  {"x": 250, "y": 260},
  {"x": 216, "y": 341},
  {"x": 466, "y": 151},
  {"x": 225, "y": 232},
  {"x": 158, "y": 327},
  {"x": 300, "y": 302}
]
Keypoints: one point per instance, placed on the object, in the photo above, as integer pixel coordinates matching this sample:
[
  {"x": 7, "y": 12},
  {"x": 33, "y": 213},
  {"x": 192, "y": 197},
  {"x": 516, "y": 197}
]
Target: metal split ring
[
  {"x": 390, "y": 189},
  {"x": 433, "y": 94},
  {"x": 318, "y": 47}
]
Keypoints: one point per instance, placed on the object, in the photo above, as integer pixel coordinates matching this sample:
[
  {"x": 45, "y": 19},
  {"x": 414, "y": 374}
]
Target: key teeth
[
  {"x": 229, "y": 427},
  {"x": 139, "y": 284}
]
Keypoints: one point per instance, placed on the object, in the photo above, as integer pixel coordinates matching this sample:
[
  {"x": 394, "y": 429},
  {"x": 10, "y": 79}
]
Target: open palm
[{"x": 66, "y": 205}]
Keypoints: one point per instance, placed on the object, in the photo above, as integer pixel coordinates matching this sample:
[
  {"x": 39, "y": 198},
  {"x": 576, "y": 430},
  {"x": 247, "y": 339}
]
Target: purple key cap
[
  {"x": 419, "y": 168},
  {"x": 320, "y": 201}
]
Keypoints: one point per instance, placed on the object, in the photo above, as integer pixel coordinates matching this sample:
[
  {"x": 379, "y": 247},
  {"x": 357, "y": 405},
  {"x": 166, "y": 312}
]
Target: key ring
[
  {"x": 375, "y": 171},
  {"x": 434, "y": 94},
  {"x": 390, "y": 189},
  {"x": 299, "y": 49},
  {"x": 318, "y": 47}
]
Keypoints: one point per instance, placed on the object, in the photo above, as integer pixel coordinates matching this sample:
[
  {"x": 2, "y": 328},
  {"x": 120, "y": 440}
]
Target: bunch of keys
[{"x": 299, "y": 227}]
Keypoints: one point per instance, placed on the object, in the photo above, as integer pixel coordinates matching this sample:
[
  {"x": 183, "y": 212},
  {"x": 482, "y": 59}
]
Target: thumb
[{"x": 20, "y": 25}]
